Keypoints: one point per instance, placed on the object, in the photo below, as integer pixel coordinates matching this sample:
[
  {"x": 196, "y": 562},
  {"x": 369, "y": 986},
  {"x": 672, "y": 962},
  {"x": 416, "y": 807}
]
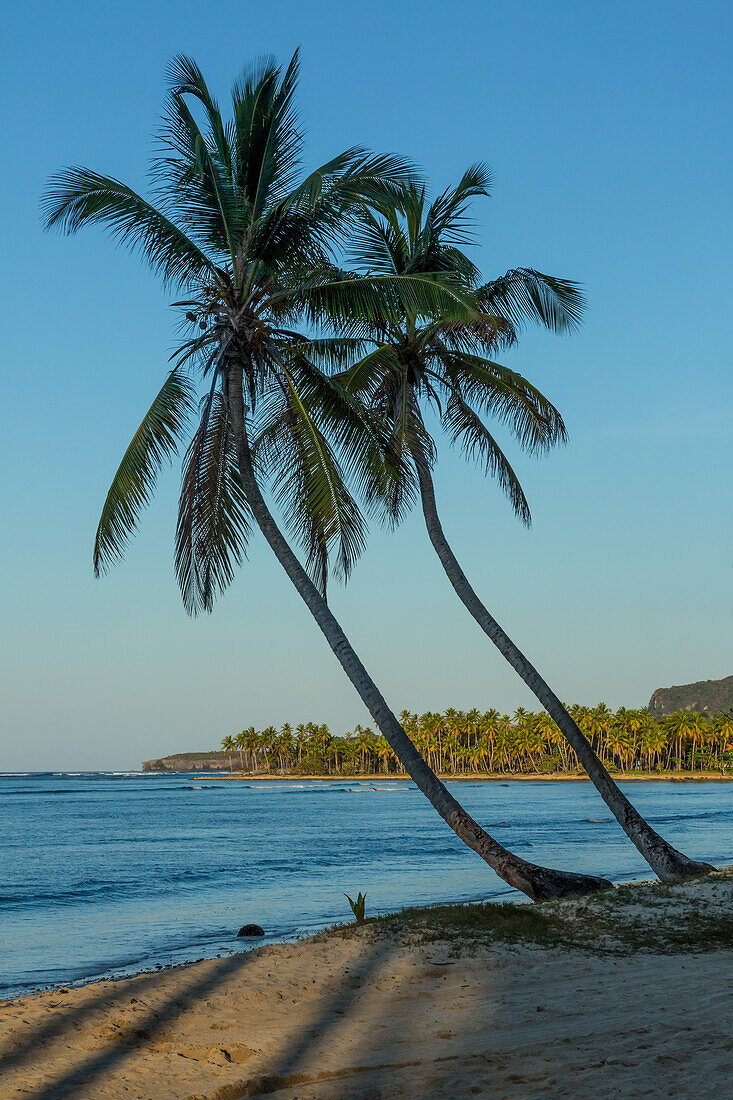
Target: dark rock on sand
[{"x": 250, "y": 931}]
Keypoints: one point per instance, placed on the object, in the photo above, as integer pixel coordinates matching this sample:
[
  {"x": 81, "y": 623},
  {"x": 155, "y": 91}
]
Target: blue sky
[{"x": 609, "y": 130}]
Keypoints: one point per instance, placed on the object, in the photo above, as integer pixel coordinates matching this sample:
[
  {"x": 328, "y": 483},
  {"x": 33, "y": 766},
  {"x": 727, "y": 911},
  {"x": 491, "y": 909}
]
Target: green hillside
[{"x": 704, "y": 697}]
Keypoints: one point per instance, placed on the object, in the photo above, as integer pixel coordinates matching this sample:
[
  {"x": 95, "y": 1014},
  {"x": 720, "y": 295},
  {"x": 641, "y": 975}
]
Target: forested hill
[
  {"x": 704, "y": 697},
  {"x": 190, "y": 762}
]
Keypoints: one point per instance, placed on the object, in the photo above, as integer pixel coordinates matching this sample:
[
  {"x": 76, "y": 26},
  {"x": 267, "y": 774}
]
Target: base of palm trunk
[
  {"x": 543, "y": 883},
  {"x": 670, "y": 865},
  {"x": 538, "y": 883}
]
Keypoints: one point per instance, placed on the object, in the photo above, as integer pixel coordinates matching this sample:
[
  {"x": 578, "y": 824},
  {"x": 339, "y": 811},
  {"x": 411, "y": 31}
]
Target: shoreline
[
  {"x": 492, "y": 777},
  {"x": 516, "y": 1000}
]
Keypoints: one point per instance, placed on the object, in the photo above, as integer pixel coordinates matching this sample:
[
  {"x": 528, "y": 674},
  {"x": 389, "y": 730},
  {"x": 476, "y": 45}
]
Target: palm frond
[
  {"x": 335, "y": 353},
  {"x": 376, "y": 298},
  {"x": 78, "y": 196},
  {"x": 360, "y": 439},
  {"x": 330, "y": 200},
  {"x": 466, "y": 429},
  {"x": 525, "y": 296},
  {"x": 184, "y": 77},
  {"x": 293, "y": 451},
  {"x": 214, "y": 518},
  {"x": 155, "y": 441},
  {"x": 507, "y": 396},
  {"x": 377, "y": 246},
  {"x": 371, "y": 178},
  {"x": 193, "y": 180},
  {"x": 447, "y": 222},
  {"x": 268, "y": 139},
  {"x": 366, "y": 376}
]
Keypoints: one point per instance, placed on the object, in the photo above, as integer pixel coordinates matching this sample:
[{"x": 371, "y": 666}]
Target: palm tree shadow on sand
[
  {"x": 91, "y": 1075},
  {"x": 370, "y": 1018}
]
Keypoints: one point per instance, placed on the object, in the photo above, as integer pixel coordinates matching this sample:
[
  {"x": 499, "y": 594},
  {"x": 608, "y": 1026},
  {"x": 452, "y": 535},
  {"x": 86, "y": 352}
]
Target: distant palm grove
[{"x": 470, "y": 743}]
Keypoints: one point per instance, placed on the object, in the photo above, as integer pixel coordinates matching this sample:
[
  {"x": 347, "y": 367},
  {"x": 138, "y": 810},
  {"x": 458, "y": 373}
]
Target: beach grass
[{"x": 686, "y": 917}]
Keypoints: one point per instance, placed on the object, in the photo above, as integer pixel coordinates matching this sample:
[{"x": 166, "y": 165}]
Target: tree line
[{"x": 457, "y": 742}]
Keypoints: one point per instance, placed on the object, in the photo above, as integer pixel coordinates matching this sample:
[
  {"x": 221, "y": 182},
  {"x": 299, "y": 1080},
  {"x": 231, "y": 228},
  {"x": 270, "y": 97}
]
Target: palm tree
[
  {"x": 679, "y": 725},
  {"x": 654, "y": 741},
  {"x": 723, "y": 725},
  {"x": 251, "y": 745},
  {"x": 250, "y": 247},
  {"x": 268, "y": 739},
  {"x": 241, "y": 742},
  {"x": 698, "y": 732},
  {"x": 228, "y": 746},
  {"x": 444, "y": 361},
  {"x": 620, "y": 741}
]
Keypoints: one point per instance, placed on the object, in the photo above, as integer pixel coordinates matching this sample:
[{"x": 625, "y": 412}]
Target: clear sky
[{"x": 609, "y": 129}]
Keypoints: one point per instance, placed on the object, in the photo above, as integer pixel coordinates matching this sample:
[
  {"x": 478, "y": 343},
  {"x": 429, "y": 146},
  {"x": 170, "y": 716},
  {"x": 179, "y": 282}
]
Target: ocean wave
[
  {"x": 45, "y": 790},
  {"x": 707, "y": 815},
  {"x": 84, "y": 893},
  {"x": 322, "y": 788},
  {"x": 280, "y": 786},
  {"x": 26, "y": 775},
  {"x": 372, "y": 790}
]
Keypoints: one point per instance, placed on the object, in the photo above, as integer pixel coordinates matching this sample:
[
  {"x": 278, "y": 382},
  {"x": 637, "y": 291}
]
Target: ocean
[{"x": 106, "y": 874}]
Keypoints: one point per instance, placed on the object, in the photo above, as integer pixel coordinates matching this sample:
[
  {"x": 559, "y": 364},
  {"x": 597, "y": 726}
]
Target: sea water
[{"x": 108, "y": 874}]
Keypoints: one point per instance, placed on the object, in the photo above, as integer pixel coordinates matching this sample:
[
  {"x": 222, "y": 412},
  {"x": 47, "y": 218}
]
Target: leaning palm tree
[
  {"x": 418, "y": 360},
  {"x": 249, "y": 242}
]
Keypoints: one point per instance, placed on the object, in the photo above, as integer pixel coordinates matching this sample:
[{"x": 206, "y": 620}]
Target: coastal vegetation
[
  {"x": 636, "y": 918},
  {"x": 276, "y": 335},
  {"x": 358, "y": 906},
  {"x": 457, "y": 742}
]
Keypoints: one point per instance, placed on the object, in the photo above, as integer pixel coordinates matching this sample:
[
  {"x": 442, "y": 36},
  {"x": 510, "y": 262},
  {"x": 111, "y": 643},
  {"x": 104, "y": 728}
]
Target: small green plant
[{"x": 358, "y": 906}]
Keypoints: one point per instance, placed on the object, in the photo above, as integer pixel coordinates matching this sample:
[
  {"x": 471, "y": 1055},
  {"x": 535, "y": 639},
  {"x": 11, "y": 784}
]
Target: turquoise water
[{"x": 105, "y": 874}]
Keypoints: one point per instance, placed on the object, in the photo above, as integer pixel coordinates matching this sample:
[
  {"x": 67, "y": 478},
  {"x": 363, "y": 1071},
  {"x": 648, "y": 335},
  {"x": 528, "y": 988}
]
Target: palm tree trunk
[
  {"x": 664, "y": 860},
  {"x": 536, "y": 882}
]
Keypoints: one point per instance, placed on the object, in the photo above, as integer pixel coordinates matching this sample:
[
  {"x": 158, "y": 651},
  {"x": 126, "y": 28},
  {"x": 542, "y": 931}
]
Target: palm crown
[
  {"x": 413, "y": 359},
  {"x": 248, "y": 238}
]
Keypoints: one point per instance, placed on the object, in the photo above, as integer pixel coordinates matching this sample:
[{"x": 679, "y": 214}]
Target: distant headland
[
  {"x": 189, "y": 762},
  {"x": 702, "y": 697}
]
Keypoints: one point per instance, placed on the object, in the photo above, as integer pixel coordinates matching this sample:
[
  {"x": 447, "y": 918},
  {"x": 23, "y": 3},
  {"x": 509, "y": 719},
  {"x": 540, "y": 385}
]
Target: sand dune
[{"x": 378, "y": 1014}]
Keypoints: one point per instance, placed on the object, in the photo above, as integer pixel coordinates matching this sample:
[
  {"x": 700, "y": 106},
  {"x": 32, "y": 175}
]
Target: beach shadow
[
  {"x": 283, "y": 1068},
  {"x": 282, "y": 1065},
  {"x": 362, "y": 1048},
  {"x": 63, "y": 1021},
  {"x": 137, "y": 1035},
  {"x": 332, "y": 1045}
]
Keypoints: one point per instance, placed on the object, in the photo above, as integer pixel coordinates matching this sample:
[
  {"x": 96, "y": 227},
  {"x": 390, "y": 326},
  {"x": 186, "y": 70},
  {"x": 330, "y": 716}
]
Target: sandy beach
[
  {"x": 480, "y": 777},
  {"x": 627, "y": 996}
]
